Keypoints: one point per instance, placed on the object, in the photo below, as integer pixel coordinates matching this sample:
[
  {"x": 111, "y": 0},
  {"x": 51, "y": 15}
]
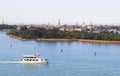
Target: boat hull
[{"x": 37, "y": 62}]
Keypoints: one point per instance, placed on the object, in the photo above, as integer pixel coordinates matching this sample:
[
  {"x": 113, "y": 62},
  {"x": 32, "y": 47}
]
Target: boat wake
[{"x": 9, "y": 62}]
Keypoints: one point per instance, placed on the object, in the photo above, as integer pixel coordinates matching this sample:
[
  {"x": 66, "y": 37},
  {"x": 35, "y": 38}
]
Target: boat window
[
  {"x": 36, "y": 59},
  {"x": 27, "y": 59},
  {"x": 33, "y": 59}
]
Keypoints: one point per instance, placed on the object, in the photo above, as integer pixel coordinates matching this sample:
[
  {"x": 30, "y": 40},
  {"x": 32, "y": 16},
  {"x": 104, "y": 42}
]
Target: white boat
[{"x": 33, "y": 59}]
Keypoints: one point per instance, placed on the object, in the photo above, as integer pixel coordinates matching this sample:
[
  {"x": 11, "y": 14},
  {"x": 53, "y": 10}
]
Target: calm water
[{"x": 77, "y": 59}]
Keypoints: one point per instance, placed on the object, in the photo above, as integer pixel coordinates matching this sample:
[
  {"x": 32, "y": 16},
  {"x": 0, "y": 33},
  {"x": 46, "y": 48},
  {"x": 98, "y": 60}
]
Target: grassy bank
[{"x": 68, "y": 40}]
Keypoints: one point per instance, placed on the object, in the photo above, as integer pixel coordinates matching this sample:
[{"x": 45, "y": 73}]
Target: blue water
[{"x": 77, "y": 58}]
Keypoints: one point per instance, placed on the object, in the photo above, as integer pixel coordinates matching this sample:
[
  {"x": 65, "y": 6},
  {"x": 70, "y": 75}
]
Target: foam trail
[{"x": 9, "y": 62}]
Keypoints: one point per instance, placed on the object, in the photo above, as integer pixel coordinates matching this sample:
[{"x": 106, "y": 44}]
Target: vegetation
[
  {"x": 5, "y": 26},
  {"x": 55, "y": 33}
]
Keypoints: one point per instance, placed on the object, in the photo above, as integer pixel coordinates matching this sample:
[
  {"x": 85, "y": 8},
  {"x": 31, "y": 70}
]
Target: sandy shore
[
  {"x": 16, "y": 37},
  {"x": 100, "y": 41},
  {"x": 68, "y": 40}
]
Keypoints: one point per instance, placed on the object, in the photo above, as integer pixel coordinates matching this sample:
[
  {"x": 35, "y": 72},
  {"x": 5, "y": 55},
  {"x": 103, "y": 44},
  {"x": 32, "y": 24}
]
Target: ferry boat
[{"x": 33, "y": 59}]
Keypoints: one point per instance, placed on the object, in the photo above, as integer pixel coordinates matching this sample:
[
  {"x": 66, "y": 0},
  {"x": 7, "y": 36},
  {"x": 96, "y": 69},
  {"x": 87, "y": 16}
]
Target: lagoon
[{"x": 76, "y": 59}]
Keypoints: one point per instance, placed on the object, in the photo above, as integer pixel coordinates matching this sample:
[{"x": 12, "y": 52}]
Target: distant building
[
  {"x": 90, "y": 27},
  {"x": 59, "y": 22},
  {"x": 112, "y": 30},
  {"x": 18, "y": 28},
  {"x": 77, "y": 29},
  {"x": 62, "y": 29},
  {"x": 69, "y": 29}
]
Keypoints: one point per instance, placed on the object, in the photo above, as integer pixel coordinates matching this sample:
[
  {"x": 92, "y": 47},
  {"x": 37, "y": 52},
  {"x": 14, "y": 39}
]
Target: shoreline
[{"x": 68, "y": 40}]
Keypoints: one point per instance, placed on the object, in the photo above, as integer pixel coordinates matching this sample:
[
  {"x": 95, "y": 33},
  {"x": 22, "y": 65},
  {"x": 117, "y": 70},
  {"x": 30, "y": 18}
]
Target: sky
[{"x": 68, "y": 11}]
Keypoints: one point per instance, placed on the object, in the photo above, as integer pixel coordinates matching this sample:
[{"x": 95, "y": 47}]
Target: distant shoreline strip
[{"x": 68, "y": 40}]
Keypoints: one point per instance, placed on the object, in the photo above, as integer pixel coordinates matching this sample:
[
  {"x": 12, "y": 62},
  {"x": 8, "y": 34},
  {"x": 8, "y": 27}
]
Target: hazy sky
[{"x": 68, "y": 11}]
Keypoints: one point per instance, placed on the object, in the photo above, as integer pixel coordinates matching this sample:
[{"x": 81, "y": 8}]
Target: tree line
[
  {"x": 56, "y": 33},
  {"x": 6, "y": 26}
]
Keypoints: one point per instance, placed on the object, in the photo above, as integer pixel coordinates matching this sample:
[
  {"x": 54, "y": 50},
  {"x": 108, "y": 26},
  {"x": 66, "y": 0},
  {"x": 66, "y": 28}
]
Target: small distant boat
[{"x": 33, "y": 59}]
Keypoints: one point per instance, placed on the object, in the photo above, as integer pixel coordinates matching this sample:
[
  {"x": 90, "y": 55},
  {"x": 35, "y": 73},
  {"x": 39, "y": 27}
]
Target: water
[{"x": 76, "y": 58}]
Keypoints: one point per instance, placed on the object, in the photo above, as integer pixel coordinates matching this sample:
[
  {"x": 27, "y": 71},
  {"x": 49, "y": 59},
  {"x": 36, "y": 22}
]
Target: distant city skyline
[{"x": 67, "y": 11}]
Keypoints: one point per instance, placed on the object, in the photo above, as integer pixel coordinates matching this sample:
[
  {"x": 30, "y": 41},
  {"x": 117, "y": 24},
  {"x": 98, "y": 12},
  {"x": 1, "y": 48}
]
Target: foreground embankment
[{"x": 79, "y": 40}]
